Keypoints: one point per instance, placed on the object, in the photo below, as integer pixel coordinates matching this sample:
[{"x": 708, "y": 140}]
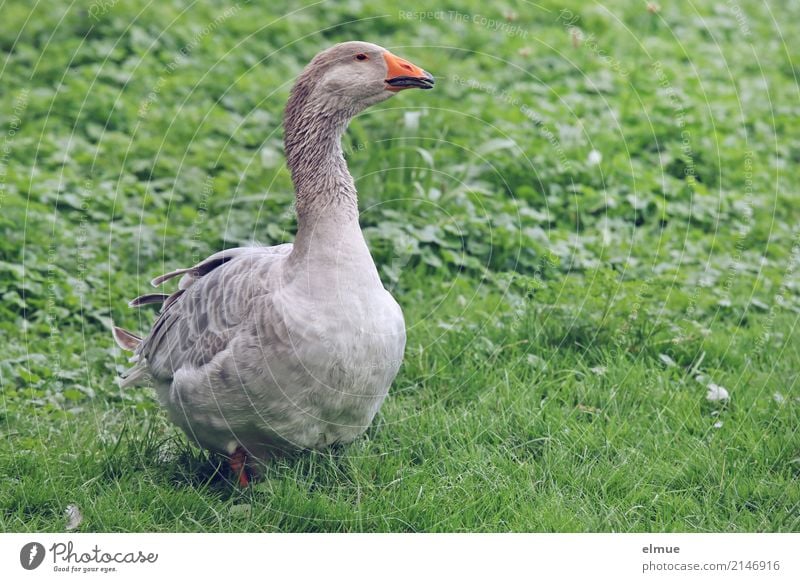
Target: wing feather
[
  {"x": 197, "y": 321},
  {"x": 148, "y": 299}
]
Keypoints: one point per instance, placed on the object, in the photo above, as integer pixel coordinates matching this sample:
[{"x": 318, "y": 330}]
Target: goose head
[
  {"x": 351, "y": 76},
  {"x": 336, "y": 85}
]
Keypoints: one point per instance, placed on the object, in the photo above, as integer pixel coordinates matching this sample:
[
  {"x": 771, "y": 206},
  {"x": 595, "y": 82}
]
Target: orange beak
[{"x": 400, "y": 74}]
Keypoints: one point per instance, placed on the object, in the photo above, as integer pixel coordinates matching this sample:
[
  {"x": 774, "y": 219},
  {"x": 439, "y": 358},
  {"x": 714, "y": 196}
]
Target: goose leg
[{"x": 238, "y": 463}]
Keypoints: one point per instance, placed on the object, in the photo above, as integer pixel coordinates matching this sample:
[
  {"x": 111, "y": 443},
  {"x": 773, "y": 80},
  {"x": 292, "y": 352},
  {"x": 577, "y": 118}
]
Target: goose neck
[{"x": 322, "y": 182}]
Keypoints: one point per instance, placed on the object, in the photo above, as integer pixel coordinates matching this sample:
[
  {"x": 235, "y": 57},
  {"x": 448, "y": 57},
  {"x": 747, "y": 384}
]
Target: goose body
[{"x": 268, "y": 349}]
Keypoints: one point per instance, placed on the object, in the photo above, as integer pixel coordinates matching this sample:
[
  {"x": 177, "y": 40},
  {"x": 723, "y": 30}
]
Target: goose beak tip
[{"x": 401, "y": 74}]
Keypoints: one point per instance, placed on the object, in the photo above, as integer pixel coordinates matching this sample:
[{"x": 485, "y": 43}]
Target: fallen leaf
[
  {"x": 717, "y": 393},
  {"x": 668, "y": 361},
  {"x": 74, "y": 517}
]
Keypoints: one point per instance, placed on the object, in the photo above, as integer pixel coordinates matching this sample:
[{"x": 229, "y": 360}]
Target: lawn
[{"x": 591, "y": 225}]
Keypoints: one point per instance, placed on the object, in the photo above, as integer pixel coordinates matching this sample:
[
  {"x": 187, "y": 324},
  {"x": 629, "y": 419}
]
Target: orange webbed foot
[{"x": 238, "y": 463}]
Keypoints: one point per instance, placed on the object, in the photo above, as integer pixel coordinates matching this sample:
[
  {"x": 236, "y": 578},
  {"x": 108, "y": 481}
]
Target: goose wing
[{"x": 198, "y": 320}]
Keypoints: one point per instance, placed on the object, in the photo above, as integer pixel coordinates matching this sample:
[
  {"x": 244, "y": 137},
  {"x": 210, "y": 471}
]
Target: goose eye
[{"x": 361, "y": 57}]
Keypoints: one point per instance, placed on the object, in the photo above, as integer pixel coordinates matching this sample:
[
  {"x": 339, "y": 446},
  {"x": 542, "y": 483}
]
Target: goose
[{"x": 267, "y": 350}]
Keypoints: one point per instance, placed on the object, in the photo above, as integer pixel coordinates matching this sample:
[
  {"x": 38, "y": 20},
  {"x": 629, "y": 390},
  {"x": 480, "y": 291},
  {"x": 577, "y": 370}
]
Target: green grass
[{"x": 565, "y": 317}]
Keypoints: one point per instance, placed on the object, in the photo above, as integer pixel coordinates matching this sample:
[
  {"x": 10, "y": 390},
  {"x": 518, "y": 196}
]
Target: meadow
[{"x": 591, "y": 224}]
